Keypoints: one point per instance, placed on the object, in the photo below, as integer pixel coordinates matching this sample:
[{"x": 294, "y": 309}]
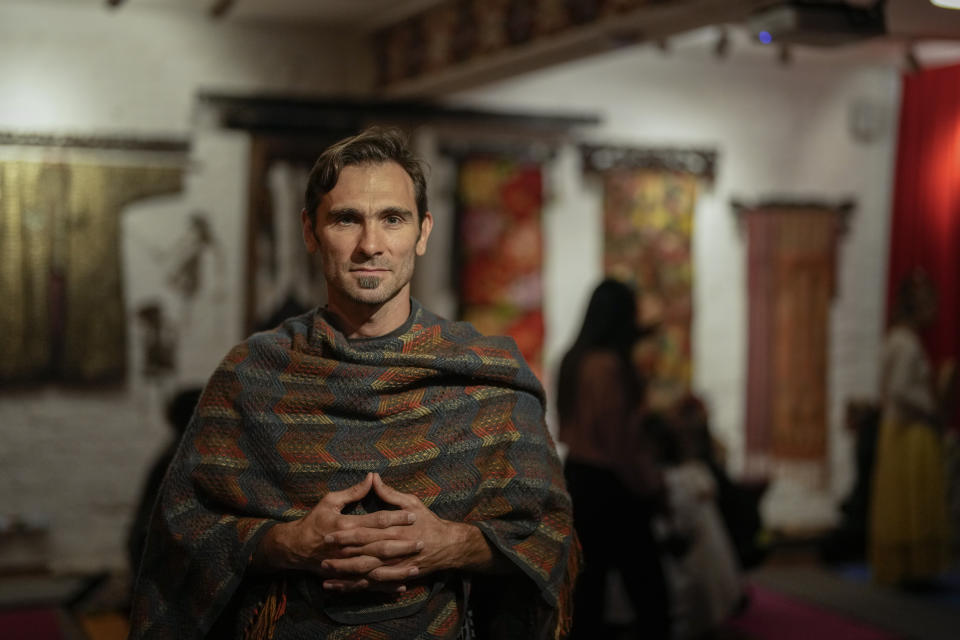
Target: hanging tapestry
[
  {"x": 62, "y": 317},
  {"x": 791, "y": 283},
  {"x": 648, "y": 226},
  {"x": 500, "y": 250},
  {"x": 282, "y": 279}
]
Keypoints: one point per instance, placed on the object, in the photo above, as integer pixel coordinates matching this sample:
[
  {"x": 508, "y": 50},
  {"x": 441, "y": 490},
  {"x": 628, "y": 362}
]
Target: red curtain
[{"x": 925, "y": 227}]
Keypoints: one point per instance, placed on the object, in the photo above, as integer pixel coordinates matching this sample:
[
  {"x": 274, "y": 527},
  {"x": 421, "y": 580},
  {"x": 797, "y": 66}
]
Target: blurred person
[
  {"x": 738, "y": 502},
  {"x": 366, "y": 469},
  {"x": 179, "y": 410},
  {"x": 701, "y": 565},
  {"x": 908, "y": 520},
  {"x": 610, "y": 470},
  {"x": 847, "y": 542}
]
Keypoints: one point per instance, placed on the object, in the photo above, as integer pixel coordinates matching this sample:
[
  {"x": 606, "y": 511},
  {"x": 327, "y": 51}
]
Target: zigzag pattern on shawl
[{"x": 438, "y": 410}]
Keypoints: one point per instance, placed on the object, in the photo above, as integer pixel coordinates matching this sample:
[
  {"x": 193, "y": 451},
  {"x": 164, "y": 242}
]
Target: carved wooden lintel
[
  {"x": 165, "y": 145},
  {"x": 699, "y": 162},
  {"x": 842, "y": 208},
  {"x": 279, "y": 113}
]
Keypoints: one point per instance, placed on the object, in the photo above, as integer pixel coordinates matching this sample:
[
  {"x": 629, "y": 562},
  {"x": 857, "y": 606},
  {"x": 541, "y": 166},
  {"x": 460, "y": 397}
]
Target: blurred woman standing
[
  {"x": 610, "y": 470},
  {"x": 908, "y": 520}
]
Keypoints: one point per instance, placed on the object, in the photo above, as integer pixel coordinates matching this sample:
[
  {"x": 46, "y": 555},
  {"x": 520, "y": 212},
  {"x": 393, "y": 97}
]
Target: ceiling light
[{"x": 946, "y": 4}]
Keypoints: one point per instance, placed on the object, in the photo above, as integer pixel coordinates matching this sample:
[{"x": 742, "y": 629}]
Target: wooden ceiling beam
[{"x": 418, "y": 59}]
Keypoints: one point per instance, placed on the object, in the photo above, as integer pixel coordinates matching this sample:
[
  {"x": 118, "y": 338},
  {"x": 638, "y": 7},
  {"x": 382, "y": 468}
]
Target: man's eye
[
  {"x": 345, "y": 220},
  {"x": 394, "y": 220}
]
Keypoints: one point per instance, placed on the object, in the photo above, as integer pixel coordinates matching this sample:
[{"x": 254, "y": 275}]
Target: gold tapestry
[{"x": 62, "y": 316}]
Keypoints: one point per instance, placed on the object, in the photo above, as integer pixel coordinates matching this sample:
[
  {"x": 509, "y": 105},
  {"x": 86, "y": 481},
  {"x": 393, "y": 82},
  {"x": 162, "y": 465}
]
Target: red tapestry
[
  {"x": 648, "y": 225},
  {"x": 791, "y": 281},
  {"x": 501, "y": 250}
]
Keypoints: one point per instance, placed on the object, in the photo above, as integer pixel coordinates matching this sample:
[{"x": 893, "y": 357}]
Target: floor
[
  {"x": 799, "y": 599},
  {"x": 847, "y": 592}
]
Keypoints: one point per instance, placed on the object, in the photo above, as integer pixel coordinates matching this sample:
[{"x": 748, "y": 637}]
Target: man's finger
[
  {"x": 363, "y": 585},
  {"x": 393, "y": 574},
  {"x": 392, "y": 496},
  {"x": 340, "y": 499},
  {"x": 383, "y": 549},
  {"x": 355, "y": 566},
  {"x": 359, "y": 584},
  {"x": 361, "y": 535},
  {"x": 377, "y": 520}
]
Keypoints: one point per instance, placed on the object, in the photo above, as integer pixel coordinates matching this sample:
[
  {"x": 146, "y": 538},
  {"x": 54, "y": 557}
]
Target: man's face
[{"x": 367, "y": 234}]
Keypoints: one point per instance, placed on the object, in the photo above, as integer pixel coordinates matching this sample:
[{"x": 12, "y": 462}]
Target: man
[{"x": 365, "y": 470}]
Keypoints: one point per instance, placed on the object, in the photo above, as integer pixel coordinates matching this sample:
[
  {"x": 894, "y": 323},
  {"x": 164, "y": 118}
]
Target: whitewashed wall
[
  {"x": 76, "y": 461},
  {"x": 780, "y": 131}
]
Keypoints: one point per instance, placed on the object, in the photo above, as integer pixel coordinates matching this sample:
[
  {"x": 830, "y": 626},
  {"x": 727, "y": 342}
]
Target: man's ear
[
  {"x": 426, "y": 226},
  {"x": 309, "y": 232}
]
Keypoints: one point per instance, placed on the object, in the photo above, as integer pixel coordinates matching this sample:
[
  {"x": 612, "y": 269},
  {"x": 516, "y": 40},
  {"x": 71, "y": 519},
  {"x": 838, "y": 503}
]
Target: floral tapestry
[
  {"x": 648, "y": 225},
  {"x": 500, "y": 250}
]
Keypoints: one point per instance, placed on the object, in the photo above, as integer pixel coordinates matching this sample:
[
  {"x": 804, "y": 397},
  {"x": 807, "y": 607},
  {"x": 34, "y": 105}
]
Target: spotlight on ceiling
[
  {"x": 818, "y": 23},
  {"x": 946, "y": 4}
]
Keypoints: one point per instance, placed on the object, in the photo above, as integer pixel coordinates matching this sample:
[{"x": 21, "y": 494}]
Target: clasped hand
[{"x": 379, "y": 550}]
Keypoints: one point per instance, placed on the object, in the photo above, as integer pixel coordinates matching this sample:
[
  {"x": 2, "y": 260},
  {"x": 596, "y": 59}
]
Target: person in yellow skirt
[{"x": 909, "y": 535}]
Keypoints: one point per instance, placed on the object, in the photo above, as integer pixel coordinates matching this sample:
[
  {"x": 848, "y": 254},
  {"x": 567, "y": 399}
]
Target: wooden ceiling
[{"x": 905, "y": 18}]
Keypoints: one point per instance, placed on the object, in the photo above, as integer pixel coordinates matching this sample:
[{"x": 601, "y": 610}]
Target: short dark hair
[{"x": 373, "y": 145}]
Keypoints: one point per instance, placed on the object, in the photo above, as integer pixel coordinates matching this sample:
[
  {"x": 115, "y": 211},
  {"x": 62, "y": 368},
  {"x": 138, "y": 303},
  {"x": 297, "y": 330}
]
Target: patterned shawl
[{"x": 291, "y": 414}]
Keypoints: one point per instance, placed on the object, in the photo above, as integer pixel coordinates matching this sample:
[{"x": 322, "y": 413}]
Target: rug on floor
[{"x": 774, "y": 616}]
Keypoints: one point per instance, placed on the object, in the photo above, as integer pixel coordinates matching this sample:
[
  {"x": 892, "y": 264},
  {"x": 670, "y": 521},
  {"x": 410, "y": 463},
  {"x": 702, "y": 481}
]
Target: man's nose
[{"x": 371, "y": 240}]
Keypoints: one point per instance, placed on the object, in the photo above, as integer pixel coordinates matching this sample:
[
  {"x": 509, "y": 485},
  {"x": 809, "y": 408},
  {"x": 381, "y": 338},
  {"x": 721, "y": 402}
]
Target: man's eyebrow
[
  {"x": 351, "y": 211},
  {"x": 397, "y": 211},
  {"x": 344, "y": 211}
]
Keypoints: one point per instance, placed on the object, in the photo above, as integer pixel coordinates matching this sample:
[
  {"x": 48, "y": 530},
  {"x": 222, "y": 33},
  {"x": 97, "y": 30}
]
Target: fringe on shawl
[
  {"x": 565, "y": 598},
  {"x": 265, "y": 618}
]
